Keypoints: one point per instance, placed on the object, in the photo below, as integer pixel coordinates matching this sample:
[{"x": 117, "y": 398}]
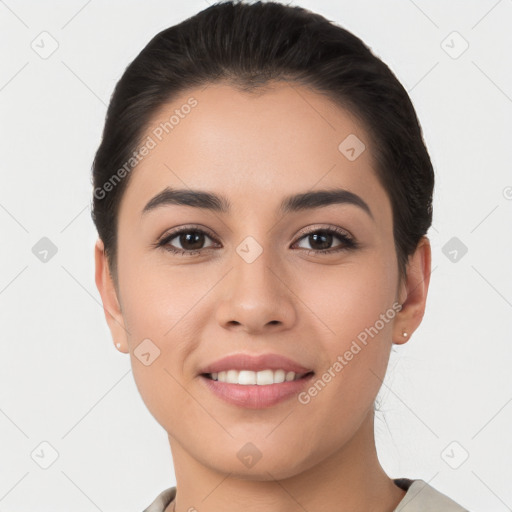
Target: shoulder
[
  {"x": 160, "y": 503},
  {"x": 422, "y": 497}
]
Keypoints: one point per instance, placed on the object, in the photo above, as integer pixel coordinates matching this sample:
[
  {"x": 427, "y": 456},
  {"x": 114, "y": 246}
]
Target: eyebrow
[{"x": 218, "y": 203}]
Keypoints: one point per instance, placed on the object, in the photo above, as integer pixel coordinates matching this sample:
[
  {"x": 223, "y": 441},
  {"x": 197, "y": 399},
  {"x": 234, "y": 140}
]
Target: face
[{"x": 317, "y": 284}]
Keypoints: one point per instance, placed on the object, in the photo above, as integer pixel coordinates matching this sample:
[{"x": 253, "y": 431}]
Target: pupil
[
  {"x": 325, "y": 244},
  {"x": 187, "y": 239}
]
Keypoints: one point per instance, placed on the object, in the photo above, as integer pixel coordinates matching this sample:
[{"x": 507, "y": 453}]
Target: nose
[{"x": 257, "y": 295}]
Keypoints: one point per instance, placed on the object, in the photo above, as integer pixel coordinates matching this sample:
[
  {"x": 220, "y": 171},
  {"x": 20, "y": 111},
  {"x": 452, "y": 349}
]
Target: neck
[{"x": 350, "y": 479}]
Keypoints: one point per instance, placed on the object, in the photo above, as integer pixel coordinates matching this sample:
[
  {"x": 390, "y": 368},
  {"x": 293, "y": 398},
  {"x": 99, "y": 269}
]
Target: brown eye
[
  {"x": 190, "y": 241},
  {"x": 321, "y": 241}
]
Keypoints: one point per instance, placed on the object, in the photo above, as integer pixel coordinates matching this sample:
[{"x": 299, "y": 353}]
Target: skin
[{"x": 255, "y": 150}]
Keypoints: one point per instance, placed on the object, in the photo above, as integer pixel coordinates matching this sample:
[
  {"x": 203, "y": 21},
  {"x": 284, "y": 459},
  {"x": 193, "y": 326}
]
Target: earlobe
[
  {"x": 111, "y": 305},
  {"x": 416, "y": 290}
]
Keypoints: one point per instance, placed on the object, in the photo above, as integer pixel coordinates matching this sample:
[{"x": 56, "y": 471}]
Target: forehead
[{"x": 254, "y": 147}]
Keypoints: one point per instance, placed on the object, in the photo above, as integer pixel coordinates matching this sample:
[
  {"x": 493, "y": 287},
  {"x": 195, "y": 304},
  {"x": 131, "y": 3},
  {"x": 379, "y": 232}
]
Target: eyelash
[{"x": 348, "y": 242}]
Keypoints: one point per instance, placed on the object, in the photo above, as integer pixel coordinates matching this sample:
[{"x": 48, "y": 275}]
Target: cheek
[
  {"x": 159, "y": 312},
  {"x": 158, "y": 305},
  {"x": 352, "y": 308},
  {"x": 156, "y": 298},
  {"x": 347, "y": 299}
]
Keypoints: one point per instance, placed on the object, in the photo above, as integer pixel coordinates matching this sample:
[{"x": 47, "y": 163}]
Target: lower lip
[{"x": 253, "y": 396}]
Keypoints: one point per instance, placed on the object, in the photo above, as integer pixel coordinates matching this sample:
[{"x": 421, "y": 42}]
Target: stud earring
[
  {"x": 118, "y": 345},
  {"x": 404, "y": 334}
]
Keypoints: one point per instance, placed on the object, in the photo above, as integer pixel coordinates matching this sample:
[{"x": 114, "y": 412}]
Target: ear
[
  {"x": 111, "y": 305},
  {"x": 413, "y": 294}
]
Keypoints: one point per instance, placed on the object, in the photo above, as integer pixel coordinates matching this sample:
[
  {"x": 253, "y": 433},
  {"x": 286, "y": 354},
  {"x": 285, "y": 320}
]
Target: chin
[{"x": 249, "y": 463}]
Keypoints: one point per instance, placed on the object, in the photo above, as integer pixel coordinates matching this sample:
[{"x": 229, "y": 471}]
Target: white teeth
[
  {"x": 290, "y": 376},
  {"x": 261, "y": 378}
]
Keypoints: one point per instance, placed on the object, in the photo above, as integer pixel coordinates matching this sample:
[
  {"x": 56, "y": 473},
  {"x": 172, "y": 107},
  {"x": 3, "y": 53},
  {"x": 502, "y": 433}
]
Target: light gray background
[{"x": 448, "y": 391}]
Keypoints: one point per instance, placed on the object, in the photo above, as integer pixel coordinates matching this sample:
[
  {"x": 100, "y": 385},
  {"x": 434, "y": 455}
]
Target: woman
[{"x": 262, "y": 194}]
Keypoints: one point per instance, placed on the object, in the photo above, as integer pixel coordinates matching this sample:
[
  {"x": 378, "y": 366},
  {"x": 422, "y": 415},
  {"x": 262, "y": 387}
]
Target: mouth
[
  {"x": 255, "y": 390},
  {"x": 255, "y": 381}
]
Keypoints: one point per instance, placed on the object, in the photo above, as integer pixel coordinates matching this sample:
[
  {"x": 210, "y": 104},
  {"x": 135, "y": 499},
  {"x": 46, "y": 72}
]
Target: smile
[{"x": 251, "y": 394}]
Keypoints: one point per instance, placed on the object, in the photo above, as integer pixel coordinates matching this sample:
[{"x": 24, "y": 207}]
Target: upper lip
[{"x": 255, "y": 363}]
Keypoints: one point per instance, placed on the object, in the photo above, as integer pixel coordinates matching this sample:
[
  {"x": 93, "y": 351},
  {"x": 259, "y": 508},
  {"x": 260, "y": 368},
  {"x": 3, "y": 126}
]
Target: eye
[
  {"x": 321, "y": 239},
  {"x": 190, "y": 239}
]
